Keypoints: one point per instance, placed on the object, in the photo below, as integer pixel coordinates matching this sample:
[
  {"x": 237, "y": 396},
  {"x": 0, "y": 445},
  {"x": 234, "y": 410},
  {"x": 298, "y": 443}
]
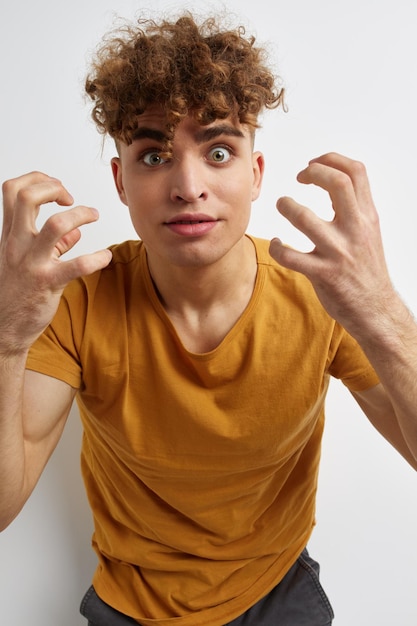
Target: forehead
[
  {"x": 155, "y": 118},
  {"x": 152, "y": 115}
]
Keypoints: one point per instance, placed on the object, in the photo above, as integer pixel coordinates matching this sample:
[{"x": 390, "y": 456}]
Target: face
[{"x": 193, "y": 208}]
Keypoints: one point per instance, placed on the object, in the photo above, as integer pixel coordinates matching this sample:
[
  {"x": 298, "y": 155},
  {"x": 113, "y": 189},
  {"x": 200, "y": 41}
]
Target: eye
[
  {"x": 219, "y": 154},
  {"x": 153, "y": 159}
]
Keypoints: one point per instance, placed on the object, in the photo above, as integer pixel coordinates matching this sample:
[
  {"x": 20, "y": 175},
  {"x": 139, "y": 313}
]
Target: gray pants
[{"x": 298, "y": 600}]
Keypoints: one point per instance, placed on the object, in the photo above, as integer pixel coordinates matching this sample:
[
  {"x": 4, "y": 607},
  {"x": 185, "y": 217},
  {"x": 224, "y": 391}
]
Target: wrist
[{"x": 388, "y": 327}]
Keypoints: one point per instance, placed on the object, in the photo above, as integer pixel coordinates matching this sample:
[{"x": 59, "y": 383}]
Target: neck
[
  {"x": 204, "y": 303},
  {"x": 202, "y": 286}
]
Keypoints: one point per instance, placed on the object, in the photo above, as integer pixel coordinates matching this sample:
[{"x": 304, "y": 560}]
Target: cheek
[
  {"x": 136, "y": 193},
  {"x": 141, "y": 198},
  {"x": 242, "y": 192},
  {"x": 137, "y": 223}
]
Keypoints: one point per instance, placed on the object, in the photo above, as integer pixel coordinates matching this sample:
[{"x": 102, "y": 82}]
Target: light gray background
[{"x": 350, "y": 73}]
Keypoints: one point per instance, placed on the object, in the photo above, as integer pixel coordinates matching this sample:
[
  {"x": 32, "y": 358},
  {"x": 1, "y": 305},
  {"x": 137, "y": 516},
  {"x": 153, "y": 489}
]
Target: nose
[{"x": 188, "y": 180}]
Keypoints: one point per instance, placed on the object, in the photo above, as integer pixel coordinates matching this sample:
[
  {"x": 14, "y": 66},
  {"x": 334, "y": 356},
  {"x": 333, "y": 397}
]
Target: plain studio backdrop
[{"x": 349, "y": 69}]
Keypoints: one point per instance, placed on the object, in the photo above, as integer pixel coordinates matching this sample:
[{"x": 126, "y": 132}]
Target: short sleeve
[
  {"x": 350, "y": 364},
  {"x": 56, "y": 351}
]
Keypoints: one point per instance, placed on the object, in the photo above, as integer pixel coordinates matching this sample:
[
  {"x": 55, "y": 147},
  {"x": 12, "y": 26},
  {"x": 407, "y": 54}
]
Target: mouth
[
  {"x": 191, "y": 225},
  {"x": 189, "y": 221}
]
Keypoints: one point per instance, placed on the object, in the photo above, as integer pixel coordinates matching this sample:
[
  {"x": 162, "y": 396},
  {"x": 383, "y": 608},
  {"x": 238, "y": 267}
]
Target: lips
[
  {"x": 190, "y": 219},
  {"x": 188, "y": 222},
  {"x": 191, "y": 225}
]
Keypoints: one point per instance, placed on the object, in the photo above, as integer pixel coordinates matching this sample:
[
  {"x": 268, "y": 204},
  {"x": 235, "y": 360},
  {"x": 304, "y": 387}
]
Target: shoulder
[
  {"x": 125, "y": 260},
  {"x": 287, "y": 282},
  {"x": 125, "y": 253}
]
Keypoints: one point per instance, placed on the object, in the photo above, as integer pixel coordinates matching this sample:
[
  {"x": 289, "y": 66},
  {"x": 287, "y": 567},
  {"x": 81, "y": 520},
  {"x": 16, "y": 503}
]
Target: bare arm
[
  {"x": 33, "y": 408},
  {"x": 378, "y": 408},
  {"x": 30, "y": 428},
  {"x": 348, "y": 271}
]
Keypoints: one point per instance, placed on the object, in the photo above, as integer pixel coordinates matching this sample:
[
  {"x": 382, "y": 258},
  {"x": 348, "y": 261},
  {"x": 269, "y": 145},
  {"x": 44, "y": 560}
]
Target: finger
[
  {"x": 356, "y": 172},
  {"x": 60, "y": 231},
  {"x": 67, "y": 242},
  {"x": 306, "y": 221},
  {"x": 338, "y": 185},
  {"x": 12, "y": 186},
  {"x": 84, "y": 265},
  {"x": 23, "y": 196},
  {"x": 303, "y": 262}
]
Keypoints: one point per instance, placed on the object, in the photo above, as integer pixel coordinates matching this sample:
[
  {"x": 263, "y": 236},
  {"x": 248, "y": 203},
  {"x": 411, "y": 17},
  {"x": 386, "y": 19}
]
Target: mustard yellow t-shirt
[{"x": 201, "y": 469}]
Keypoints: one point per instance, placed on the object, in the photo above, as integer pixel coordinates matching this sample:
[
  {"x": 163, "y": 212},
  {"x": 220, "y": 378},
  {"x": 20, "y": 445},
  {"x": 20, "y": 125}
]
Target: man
[{"x": 199, "y": 356}]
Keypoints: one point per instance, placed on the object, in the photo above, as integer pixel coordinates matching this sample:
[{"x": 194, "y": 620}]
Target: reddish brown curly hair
[{"x": 183, "y": 66}]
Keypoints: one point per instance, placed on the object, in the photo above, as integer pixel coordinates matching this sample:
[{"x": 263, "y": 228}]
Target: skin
[
  {"x": 204, "y": 270},
  {"x": 348, "y": 271},
  {"x": 33, "y": 408},
  {"x": 192, "y": 212}
]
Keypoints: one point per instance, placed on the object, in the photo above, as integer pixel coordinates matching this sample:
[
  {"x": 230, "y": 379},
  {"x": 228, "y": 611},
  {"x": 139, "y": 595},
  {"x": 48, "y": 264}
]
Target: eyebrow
[
  {"x": 203, "y": 135},
  {"x": 149, "y": 133},
  {"x": 208, "y": 134}
]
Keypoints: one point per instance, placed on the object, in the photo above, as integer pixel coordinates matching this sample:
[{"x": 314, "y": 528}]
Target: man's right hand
[
  {"x": 32, "y": 272},
  {"x": 33, "y": 407}
]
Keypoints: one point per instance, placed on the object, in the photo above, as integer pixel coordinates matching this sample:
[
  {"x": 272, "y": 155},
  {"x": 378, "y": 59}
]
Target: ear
[
  {"x": 258, "y": 165},
  {"x": 116, "y": 167}
]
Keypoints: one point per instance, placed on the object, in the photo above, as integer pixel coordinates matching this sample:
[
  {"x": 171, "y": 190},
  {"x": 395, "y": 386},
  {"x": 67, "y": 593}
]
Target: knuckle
[
  {"x": 13, "y": 185},
  {"x": 358, "y": 168},
  {"x": 342, "y": 182},
  {"x": 24, "y": 195},
  {"x": 35, "y": 188},
  {"x": 56, "y": 225},
  {"x": 36, "y": 175},
  {"x": 8, "y": 186}
]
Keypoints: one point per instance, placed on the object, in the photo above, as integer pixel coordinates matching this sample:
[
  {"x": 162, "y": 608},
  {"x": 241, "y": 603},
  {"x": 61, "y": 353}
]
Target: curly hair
[{"x": 184, "y": 67}]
